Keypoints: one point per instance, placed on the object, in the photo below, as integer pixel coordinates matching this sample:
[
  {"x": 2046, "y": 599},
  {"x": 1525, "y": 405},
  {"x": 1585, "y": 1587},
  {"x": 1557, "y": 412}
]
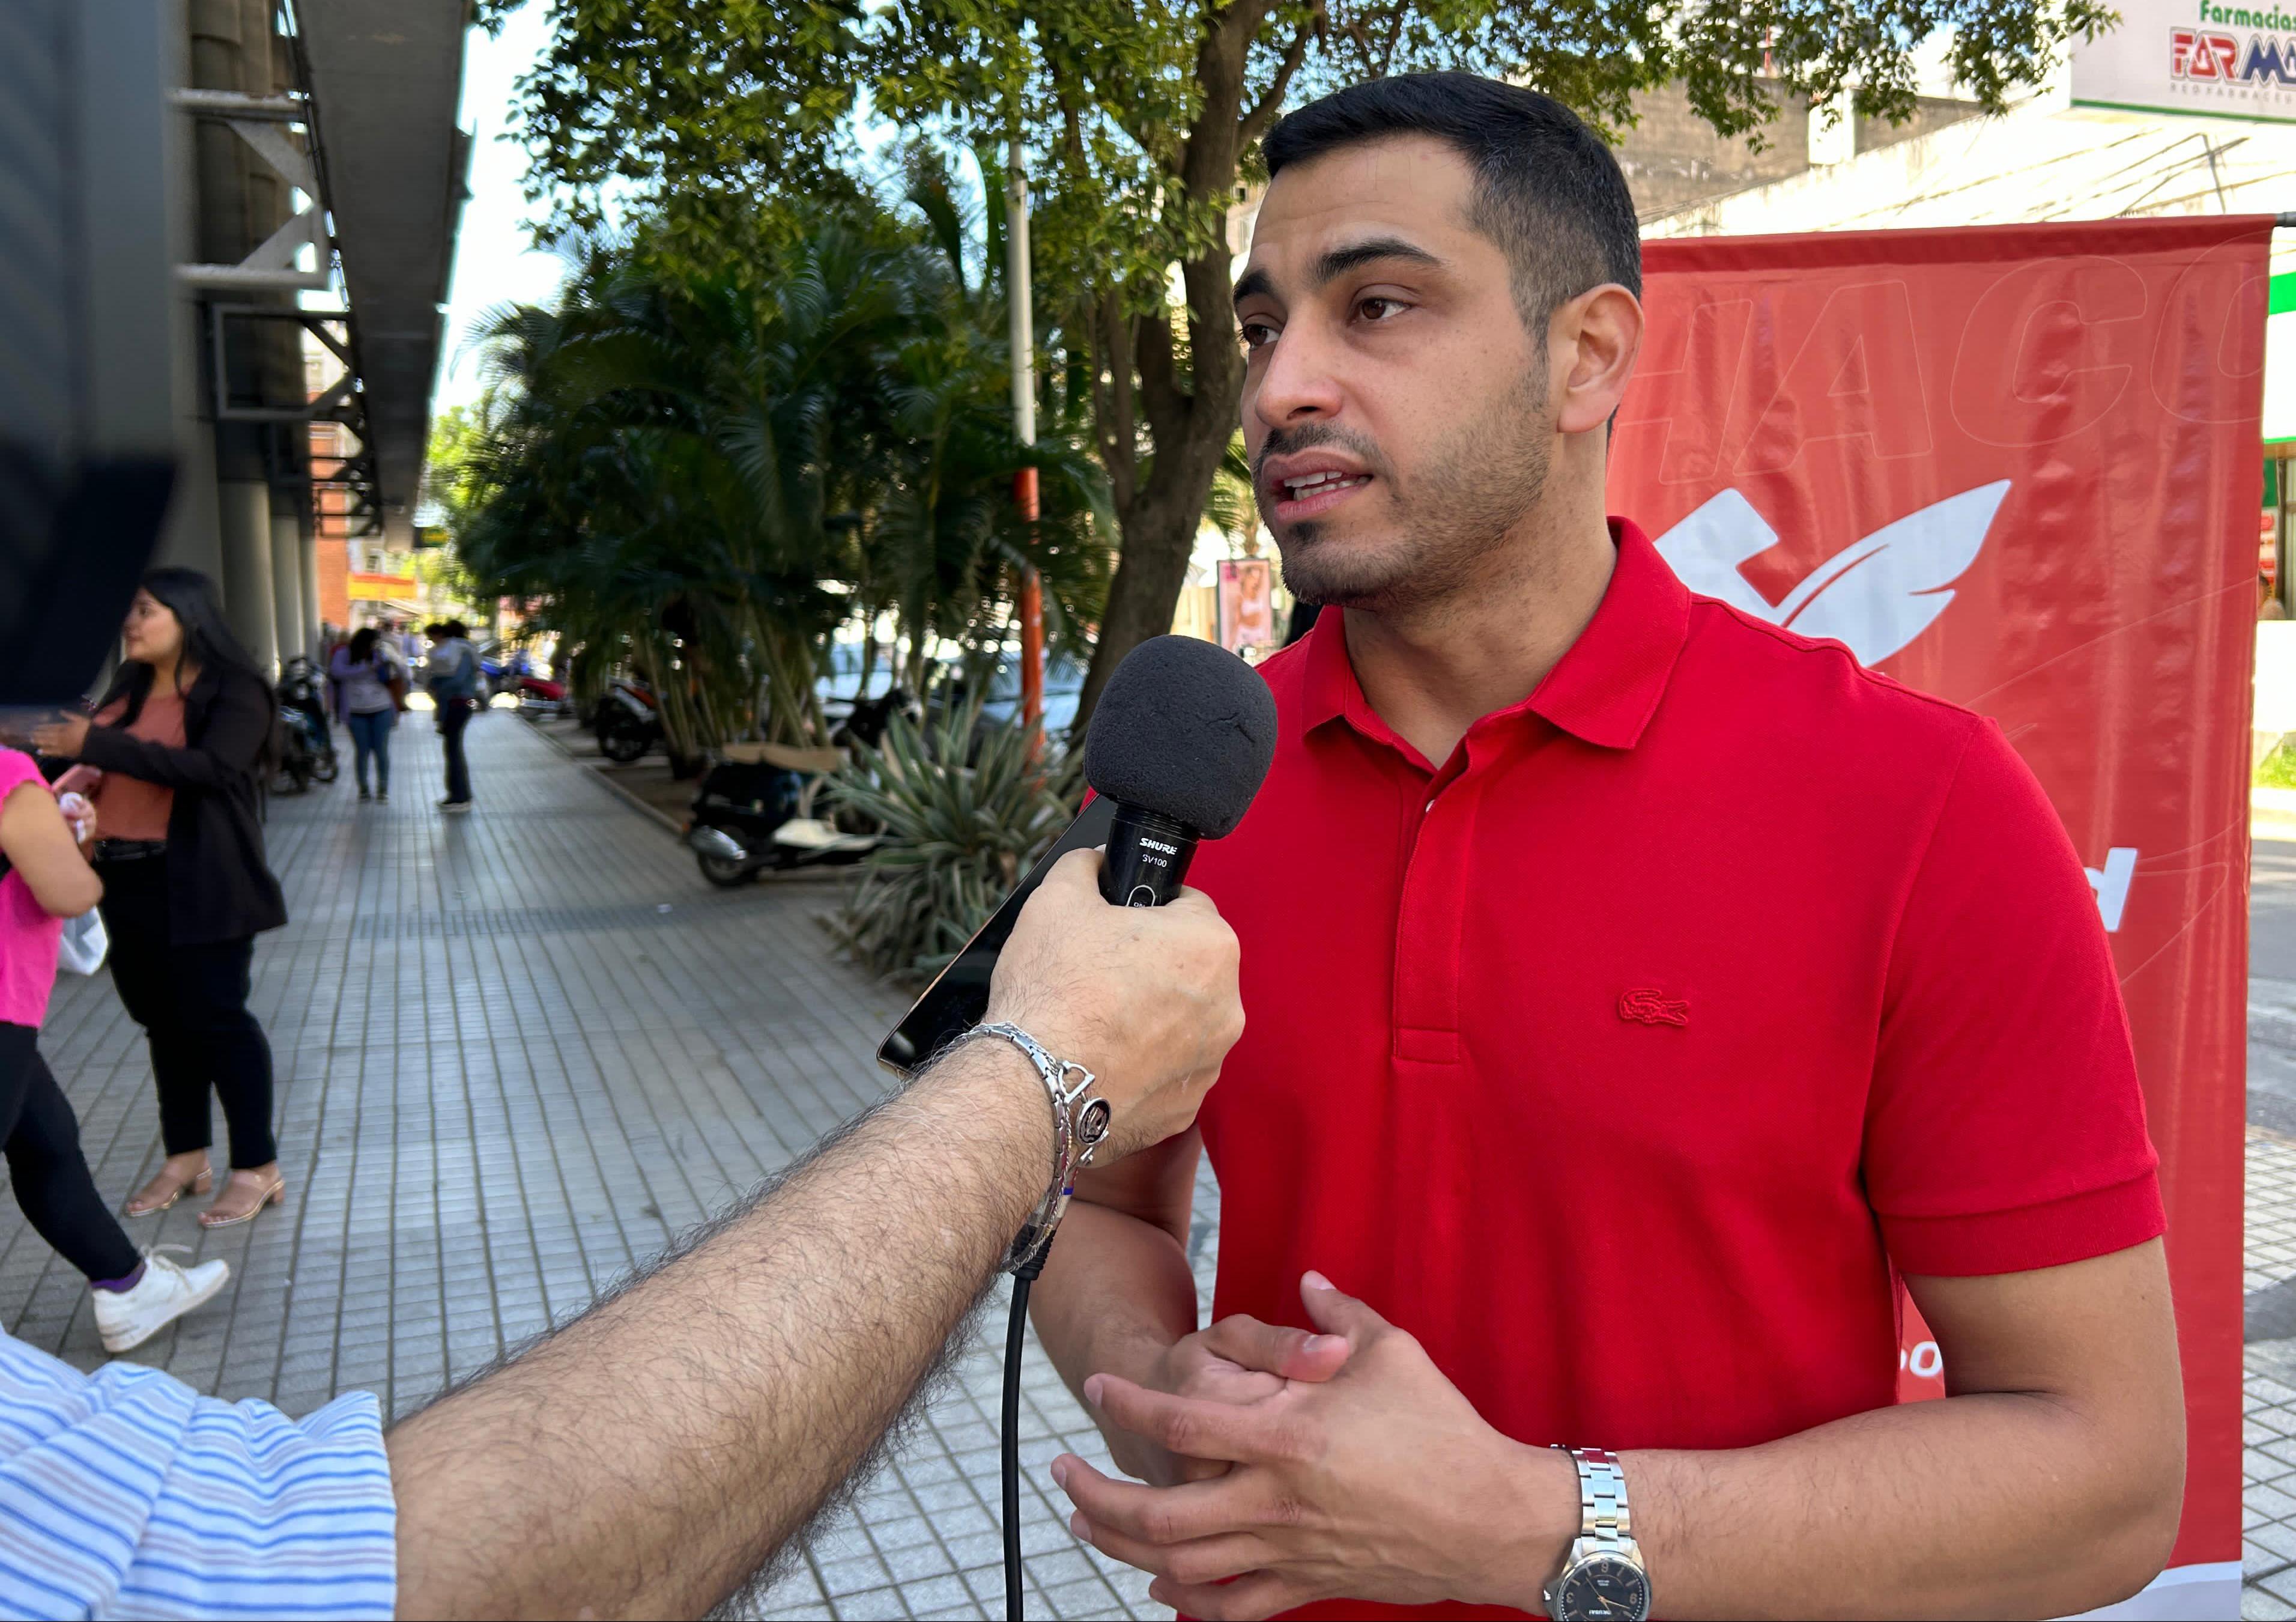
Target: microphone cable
[{"x": 1016, "y": 1332}]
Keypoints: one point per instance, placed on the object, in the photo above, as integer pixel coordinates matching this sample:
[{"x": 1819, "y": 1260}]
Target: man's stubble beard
[{"x": 1447, "y": 522}]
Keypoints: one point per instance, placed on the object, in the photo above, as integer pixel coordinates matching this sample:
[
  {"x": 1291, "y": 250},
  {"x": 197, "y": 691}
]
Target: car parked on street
[{"x": 1064, "y": 687}]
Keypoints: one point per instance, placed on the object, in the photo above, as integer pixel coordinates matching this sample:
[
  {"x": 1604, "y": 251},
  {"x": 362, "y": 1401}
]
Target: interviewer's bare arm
[{"x": 651, "y": 1457}]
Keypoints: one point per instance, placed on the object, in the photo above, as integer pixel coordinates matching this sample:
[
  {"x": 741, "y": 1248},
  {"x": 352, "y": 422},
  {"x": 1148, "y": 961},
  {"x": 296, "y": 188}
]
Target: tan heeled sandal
[
  {"x": 200, "y": 1184},
  {"x": 273, "y": 1193}
]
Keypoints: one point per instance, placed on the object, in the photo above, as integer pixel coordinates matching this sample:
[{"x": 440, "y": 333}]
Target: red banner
[{"x": 2017, "y": 467}]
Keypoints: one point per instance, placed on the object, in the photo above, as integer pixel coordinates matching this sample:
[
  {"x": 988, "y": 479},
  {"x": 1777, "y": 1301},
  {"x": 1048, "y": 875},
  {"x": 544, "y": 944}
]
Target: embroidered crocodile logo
[{"x": 1652, "y": 1007}]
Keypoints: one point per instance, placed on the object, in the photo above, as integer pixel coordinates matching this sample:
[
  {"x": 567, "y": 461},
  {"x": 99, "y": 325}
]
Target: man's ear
[{"x": 1596, "y": 339}]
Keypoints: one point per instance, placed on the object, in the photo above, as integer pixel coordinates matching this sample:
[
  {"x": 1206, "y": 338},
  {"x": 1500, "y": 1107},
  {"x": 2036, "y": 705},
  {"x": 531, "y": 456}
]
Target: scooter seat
[
  {"x": 810, "y": 834},
  {"x": 817, "y": 763}
]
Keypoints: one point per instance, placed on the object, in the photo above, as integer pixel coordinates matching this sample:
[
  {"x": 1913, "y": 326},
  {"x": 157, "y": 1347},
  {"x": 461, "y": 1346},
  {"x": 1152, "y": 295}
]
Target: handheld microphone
[
  {"x": 1180, "y": 743},
  {"x": 1178, "y": 748}
]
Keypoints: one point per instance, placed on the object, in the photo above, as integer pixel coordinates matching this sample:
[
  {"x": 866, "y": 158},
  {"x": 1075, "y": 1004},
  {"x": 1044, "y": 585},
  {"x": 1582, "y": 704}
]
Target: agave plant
[{"x": 958, "y": 836}]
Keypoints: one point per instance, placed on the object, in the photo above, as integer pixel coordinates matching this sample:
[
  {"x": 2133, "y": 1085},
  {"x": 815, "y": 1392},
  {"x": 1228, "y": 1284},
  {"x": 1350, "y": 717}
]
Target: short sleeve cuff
[{"x": 2024, "y": 1238}]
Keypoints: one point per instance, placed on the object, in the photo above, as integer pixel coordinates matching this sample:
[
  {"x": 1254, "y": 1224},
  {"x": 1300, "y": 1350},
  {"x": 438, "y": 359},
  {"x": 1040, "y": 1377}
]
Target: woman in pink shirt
[{"x": 45, "y": 881}]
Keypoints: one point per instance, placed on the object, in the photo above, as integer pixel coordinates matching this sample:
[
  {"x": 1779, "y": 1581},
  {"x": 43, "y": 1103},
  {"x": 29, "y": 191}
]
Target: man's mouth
[{"x": 1312, "y": 495}]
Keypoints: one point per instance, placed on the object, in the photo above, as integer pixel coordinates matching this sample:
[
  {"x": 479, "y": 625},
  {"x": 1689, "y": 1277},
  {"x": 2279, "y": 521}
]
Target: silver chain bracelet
[{"x": 1080, "y": 1126}]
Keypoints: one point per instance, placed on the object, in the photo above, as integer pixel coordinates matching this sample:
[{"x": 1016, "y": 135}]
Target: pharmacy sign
[{"x": 2194, "y": 57}]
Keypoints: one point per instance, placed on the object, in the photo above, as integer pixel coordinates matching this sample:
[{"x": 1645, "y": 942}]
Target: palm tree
[{"x": 704, "y": 474}]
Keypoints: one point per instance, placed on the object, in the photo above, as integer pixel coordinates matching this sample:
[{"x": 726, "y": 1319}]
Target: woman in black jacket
[{"x": 182, "y": 740}]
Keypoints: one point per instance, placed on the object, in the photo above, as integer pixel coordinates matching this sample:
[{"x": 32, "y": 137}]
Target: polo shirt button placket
[{"x": 1429, "y": 919}]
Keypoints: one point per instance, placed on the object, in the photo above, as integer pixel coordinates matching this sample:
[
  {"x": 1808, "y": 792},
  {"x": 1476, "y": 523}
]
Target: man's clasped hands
[{"x": 1291, "y": 1466}]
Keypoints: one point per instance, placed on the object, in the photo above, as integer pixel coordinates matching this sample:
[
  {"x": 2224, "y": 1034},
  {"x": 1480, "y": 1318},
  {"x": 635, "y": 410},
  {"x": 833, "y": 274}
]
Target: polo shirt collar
[{"x": 1603, "y": 690}]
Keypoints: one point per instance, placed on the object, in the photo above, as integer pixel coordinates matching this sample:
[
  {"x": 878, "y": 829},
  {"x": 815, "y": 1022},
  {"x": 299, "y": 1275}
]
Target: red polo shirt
[{"x": 1620, "y": 1057}]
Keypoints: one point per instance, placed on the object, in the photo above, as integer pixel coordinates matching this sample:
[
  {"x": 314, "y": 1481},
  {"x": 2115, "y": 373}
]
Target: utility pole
[{"x": 1024, "y": 344}]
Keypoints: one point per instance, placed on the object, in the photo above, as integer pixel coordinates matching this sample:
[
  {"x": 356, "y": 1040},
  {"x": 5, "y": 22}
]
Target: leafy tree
[
  {"x": 1142, "y": 122},
  {"x": 451, "y": 464},
  {"x": 704, "y": 473},
  {"x": 451, "y": 468},
  {"x": 489, "y": 16}
]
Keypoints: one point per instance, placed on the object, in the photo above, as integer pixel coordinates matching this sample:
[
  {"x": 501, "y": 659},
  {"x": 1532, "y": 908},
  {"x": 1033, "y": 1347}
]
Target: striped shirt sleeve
[{"x": 126, "y": 1492}]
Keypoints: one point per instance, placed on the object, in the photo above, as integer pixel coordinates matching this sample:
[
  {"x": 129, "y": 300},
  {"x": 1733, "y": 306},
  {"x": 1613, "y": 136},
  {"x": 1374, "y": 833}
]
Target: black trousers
[
  {"x": 191, "y": 1002},
  {"x": 454, "y": 715},
  {"x": 45, "y": 1167}
]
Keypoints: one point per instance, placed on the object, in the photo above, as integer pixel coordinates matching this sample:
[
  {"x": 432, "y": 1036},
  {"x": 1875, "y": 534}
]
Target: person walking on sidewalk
[
  {"x": 44, "y": 880},
  {"x": 370, "y": 694},
  {"x": 451, "y": 677},
  {"x": 183, "y": 740}
]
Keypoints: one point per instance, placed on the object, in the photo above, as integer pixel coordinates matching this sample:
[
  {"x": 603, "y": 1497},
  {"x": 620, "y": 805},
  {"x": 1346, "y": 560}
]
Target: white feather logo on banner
[{"x": 1875, "y": 595}]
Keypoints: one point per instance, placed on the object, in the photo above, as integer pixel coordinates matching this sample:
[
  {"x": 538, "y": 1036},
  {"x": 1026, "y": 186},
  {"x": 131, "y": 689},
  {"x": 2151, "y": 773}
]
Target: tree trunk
[
  {"x": 1191, "y": 415},
  {"x": 1192, "y": 420},
  {"x": 1160, "y": 533}
]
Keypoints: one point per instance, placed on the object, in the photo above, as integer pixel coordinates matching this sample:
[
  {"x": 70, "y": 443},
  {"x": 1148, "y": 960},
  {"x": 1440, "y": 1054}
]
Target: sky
[{"x": 495, "y": 260}]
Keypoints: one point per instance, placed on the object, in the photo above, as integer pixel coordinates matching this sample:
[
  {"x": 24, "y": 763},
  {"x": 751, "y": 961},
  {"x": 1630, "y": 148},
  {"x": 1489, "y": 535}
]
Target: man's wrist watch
[{"x": 1603, "y": 1576}]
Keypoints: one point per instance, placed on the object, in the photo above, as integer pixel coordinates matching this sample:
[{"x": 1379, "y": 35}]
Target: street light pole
[{"x": 1023, "y": 343}]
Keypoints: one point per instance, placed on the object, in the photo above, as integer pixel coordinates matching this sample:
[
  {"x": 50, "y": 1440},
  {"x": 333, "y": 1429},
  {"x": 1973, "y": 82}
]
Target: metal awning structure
[{"x": 384, "y": 84}]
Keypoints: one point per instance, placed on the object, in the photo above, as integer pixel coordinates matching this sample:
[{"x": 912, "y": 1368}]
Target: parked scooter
[
  {"x": 307, "y": 743},
  {"x": 538, "y": 698},
  {"x": 756, "y": 812},
  {"x": 629, "y": 720}
]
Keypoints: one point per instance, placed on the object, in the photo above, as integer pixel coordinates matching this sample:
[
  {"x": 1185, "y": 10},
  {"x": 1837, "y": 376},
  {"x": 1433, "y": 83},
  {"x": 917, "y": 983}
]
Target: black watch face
[{"x": 1605, "y": 1586}]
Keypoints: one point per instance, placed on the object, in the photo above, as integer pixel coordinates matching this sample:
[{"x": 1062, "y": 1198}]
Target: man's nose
[{"x": 1299, "y": 382}]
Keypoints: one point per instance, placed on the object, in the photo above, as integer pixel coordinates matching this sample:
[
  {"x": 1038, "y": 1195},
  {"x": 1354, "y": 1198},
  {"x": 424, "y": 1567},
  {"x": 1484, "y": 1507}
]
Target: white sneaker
[{"x": 128, "y": 1317}]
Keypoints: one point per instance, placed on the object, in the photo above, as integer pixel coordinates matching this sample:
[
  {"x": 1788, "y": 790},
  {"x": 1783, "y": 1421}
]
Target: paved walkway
[{"x": 517, "y": 1052}]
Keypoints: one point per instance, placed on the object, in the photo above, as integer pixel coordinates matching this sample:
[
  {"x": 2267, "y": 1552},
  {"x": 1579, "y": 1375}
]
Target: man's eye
[
  {"x": 1257, "y": 334},
  {"x": 1379, "y": 310}
]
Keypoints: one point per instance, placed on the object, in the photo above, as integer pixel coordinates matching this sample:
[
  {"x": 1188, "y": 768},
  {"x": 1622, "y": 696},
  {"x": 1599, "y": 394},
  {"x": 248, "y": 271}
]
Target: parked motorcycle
[
  {"x": 538, "y": 699},
  {"x": 629, "y": 720},
  {"x": 307, "y": 752},
  {"x": 755, "y": 812}
]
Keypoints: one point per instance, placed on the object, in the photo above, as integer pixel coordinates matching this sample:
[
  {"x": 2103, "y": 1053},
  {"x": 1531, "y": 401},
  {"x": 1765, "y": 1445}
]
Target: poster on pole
[
  {"x": 2192, "y": 57},
  {"x": 1247, "y": 606},
  {"x": 2017, "y": 467}
]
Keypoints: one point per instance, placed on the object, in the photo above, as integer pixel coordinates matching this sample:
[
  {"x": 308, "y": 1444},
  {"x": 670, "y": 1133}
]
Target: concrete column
[
  {"x": 306, "y": 550},
  {"x": 193, "y": 537},
  {"x": 287, "y": 583},
  {"x": 245, "y": 506}
]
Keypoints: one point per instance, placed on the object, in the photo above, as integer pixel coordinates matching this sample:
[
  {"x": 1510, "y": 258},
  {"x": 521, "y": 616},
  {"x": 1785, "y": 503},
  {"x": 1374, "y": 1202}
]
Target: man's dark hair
[{"x": 1547, "y": 190}]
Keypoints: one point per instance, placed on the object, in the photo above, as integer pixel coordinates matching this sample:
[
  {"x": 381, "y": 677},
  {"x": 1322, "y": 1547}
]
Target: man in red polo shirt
[{"x": 1632, "y": 987}]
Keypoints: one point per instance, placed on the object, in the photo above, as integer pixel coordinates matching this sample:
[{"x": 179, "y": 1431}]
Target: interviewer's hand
[{"x": 1145, "y": 997}]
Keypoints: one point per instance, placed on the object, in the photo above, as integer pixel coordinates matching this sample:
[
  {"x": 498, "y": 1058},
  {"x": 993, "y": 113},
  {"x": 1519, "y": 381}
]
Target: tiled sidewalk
[
  {"x": 2268, "y": 1456},
  {"x": 517, "y": 1052}
]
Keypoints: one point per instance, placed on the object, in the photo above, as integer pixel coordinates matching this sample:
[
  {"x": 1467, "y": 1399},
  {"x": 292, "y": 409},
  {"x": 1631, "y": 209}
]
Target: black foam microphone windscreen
[{"x": 1181, "y": 741}]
